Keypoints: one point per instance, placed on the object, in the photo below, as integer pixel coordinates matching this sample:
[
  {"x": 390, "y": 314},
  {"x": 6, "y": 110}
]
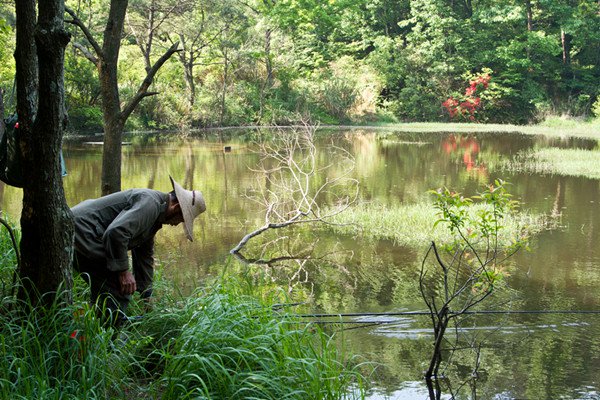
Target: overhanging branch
[
  {"x": 86, "y": 53},
  {"x": 143, "y": 89},
  {"x": 88, "y": 35}
]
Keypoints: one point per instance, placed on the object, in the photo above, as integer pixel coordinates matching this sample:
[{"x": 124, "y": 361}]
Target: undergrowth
[{"x": 218, "y": 343}]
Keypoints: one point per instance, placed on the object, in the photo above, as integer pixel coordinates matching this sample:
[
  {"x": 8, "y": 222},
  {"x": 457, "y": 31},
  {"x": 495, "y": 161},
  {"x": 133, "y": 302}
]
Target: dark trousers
[{"x": 105, "y": 289}]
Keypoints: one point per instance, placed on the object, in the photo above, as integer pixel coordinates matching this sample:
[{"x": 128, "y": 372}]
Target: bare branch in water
[{"x": 294, "y": 180}]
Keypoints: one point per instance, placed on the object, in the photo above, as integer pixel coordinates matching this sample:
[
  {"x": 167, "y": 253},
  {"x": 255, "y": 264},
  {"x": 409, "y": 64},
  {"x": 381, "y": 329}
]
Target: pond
[{"x": 522, "y": 356}]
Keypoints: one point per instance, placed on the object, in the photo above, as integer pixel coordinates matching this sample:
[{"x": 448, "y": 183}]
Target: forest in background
[{"x": 245, "y": 62}]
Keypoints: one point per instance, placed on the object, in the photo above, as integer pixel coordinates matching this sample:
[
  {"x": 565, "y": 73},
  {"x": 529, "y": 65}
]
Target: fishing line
[{"x": 418, "y": 313}]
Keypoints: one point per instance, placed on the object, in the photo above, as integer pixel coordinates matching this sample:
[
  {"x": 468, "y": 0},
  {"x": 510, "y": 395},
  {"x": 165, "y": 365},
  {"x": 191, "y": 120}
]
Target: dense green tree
[
  {"x": 263, "y": 61},
  {"x": 7, "y": 46}
]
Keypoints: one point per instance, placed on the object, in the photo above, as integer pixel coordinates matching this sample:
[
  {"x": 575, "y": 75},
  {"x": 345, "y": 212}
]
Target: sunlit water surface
[{"x": 529, "y": 356}]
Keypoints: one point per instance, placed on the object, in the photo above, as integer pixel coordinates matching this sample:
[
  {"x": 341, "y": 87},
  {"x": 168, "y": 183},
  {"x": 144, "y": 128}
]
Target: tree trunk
[
  {"x": 565, "y": 40},
  {"x": 268, "y": 60},
  {"x": 114, "y": 116},
  {"x": 46, "y": 222},
  {"x": 111, "y": 105},
  {"x": 190, "y": 85},
  {"x": 224, "y": 91},
  {"x": 529, "y": 24},
  {"x": 529, "y": 15},
  {"x": 26, "y": 63},
  {"x": 111, "y": 153}
]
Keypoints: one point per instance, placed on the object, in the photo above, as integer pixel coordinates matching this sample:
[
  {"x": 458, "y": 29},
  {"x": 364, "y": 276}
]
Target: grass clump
[
  {"x": 552, "y": 160},
  {"x": 412, "y": 225},
  {"x": 223, "y": 342},
  {"x": 550, "y": 128},
  {"x": 231, "y": 346},
  {"x": 50, "y": 354}
]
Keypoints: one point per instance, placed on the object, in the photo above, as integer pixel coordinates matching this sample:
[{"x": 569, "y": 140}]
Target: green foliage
[
  {"x": 461, "y": 275},
  {"x": 222, "y": 343},
  {"x": 596, "y": 108},
  {"x": 7, "y": 48},
  {"x": 484, "y": 226},
  {"x": 339, "y": 61},
  {"x": 233, "y": 347},
  {"x": 8, "y": 256}
]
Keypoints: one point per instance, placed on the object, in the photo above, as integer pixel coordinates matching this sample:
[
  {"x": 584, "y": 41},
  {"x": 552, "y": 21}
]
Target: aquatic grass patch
[
  {"x": 589, "y": 129},
  {"x": 552, "y": 160},
  {"x": 412, "y": 225}
]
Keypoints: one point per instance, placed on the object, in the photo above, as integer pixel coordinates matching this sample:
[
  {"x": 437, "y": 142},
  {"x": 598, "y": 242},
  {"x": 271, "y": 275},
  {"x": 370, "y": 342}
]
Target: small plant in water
[{"x": 458, "y": 276}]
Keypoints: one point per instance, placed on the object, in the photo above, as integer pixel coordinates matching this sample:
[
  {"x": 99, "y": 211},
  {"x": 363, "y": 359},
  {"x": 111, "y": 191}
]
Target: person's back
[{"x": 129, "y": 217}]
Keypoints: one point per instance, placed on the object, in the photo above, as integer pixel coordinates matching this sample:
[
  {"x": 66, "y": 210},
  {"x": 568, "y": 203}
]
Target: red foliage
[{"x": 466, "y": 109}]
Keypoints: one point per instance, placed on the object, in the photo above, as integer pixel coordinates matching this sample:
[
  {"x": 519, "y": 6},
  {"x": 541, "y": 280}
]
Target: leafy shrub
[
  {"x": 596, "y": 108},
  {"x": 85, "y": 119}
]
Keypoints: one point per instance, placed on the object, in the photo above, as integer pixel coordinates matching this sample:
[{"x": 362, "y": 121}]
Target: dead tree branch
[{"x": 291, "y": 189}]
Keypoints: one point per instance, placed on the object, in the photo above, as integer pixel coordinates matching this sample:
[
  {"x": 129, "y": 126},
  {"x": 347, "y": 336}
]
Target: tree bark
[
  {"x": 565, "y": 40},
  {"x": 268, "y": 59},
  {"x": 111, "y": 104},
  {"x": 224, "y": 87},
  {"x": 187, "y": 59},
  {"x": 529, "y": 15},
  {"x": 46, "y": 222}
]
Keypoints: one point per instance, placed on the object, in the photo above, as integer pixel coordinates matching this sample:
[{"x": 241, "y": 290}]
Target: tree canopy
[{"x": 271, "y": 61}]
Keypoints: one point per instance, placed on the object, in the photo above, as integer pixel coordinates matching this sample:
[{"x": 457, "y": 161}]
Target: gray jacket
[{"x": 108, "y": 227}]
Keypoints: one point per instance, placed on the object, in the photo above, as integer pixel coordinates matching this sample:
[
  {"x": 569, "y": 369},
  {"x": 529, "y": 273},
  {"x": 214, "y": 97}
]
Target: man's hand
[{"x": 127, "y": 282}]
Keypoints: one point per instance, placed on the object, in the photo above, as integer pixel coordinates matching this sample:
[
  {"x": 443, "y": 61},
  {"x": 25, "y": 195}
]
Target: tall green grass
[
  {"x": 230, "y": 346},
  {"x": 552, "y": 160},
  {"x": 412, "y": 225},
  {"x": 50, "y": 354},
  {"x": 220, "y": 343}
]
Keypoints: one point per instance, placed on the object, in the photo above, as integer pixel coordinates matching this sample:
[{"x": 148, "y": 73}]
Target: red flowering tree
[{"x": 464, "y": 107}]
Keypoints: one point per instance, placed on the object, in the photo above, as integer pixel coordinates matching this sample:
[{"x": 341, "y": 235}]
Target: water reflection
[{"x": 530, "y": 356}]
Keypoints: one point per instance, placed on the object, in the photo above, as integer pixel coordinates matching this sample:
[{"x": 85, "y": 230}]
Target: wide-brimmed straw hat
[{"x": 192, "y": 204}]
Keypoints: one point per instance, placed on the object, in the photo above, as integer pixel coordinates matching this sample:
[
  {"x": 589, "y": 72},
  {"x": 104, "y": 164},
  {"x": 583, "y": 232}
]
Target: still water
[{"x": 531, "y": 356}]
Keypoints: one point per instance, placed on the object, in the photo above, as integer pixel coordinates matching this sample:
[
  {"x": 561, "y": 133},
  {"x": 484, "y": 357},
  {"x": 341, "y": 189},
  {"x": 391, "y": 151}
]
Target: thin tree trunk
[
  {"x": 529, "y": 24},
  {"x": 224, "y": 91},
  {"x": 188, "y": 74},
  {"x": 529, "y": 15},
  {"x": 565, "y": 39},
  {"x": 268, "y": 60},
  {"x": 46, "y": 223}
]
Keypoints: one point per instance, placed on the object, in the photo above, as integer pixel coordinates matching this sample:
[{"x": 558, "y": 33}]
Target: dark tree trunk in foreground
[{"x": 46, "y": 223}]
